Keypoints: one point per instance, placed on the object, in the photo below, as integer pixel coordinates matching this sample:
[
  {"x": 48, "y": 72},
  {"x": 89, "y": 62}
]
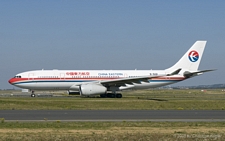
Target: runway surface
[{"x": 113, "y": 115}]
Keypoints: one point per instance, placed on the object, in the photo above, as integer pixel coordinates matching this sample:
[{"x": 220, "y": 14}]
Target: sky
[{"x": 112, "y": 34}]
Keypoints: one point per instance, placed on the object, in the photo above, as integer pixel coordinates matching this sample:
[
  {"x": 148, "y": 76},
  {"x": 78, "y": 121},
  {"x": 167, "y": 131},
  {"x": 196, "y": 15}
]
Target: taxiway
[{"x": 113, "y": 115}]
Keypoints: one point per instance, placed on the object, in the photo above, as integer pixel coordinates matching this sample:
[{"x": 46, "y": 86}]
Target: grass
[
  {"x": 163, "y": 100},
  {"x": 106, "y": 125},
  {"x": 111, "y": 131}
]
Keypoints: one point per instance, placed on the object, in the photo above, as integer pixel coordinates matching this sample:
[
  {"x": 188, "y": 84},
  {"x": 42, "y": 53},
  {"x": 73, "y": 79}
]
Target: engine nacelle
[{"x": 92, "y": 89}]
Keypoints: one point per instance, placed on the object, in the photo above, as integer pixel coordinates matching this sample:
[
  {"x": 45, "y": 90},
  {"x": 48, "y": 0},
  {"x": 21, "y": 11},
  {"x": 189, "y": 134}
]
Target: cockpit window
[{"x": 17, "y": 76}]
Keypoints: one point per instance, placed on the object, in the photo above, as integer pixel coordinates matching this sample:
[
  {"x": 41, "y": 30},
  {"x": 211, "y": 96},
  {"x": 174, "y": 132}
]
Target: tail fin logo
[{"x": 193, "y": 56}]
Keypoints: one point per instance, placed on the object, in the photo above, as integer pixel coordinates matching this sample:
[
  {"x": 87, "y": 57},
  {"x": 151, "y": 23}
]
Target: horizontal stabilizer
[{"x": 190, "y": 74}]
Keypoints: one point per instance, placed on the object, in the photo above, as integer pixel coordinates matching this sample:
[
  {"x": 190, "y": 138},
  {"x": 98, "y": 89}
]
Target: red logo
[{"x": 77, "y": 73}]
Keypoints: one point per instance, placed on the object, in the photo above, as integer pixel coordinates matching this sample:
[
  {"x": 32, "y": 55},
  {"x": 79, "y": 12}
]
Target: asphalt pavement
[{"x": 113, "y": 115}]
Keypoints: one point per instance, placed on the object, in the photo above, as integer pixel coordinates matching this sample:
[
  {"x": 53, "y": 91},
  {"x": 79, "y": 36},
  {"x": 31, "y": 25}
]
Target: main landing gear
[
  {"x": 111, "y": 95},
  {"x": 32, "y": 94}
]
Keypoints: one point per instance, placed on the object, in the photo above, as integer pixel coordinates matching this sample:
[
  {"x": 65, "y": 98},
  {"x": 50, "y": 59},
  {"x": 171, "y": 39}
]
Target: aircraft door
[
  {"x": 31, "y": 76},
  {"x": 62, "y": 76}
]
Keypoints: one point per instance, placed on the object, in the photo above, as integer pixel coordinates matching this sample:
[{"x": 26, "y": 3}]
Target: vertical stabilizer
[{"x": 191, "y": 59}]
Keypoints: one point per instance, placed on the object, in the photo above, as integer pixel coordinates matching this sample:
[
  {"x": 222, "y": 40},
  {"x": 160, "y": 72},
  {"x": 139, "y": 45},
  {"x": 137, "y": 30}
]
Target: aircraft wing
[
  {"x": 138, "y": 80},
  {"x": 123, "y": 81}
]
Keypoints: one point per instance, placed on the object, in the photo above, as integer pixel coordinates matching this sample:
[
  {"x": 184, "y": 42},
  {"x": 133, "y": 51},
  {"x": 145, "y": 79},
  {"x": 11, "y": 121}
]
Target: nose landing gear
[{"x": 32, "y": 94}]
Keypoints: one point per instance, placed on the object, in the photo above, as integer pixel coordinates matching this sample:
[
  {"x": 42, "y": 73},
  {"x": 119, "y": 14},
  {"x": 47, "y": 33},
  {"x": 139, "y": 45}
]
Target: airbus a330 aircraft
[{"x": 101, "y": 82}]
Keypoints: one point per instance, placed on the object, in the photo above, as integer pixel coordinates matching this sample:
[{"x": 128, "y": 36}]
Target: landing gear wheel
[
  {"x": 109, "y": 95},
  {"x": 32, "y": 95},
  {"x": 118, "y": 95},
  {"x": 113, "y": 95}
]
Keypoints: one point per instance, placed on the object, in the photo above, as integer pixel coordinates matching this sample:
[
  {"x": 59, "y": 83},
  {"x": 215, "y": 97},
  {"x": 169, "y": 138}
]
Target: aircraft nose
[{"x": 10, "y": 81}]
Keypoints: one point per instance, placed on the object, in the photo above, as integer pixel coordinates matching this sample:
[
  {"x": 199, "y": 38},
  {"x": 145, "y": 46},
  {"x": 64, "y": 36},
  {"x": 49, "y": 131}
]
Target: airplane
[{"x": 107, "y": 83}]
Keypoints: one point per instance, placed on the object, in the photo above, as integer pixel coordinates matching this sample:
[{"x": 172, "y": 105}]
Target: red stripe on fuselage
[{"x": 15, "y": 80}]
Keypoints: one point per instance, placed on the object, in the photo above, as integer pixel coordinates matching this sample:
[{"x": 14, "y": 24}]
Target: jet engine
[{"x": 92, "y": 89}]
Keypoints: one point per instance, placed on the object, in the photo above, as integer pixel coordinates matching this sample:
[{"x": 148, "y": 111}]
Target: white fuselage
[{"x": 65, "y": 79}]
